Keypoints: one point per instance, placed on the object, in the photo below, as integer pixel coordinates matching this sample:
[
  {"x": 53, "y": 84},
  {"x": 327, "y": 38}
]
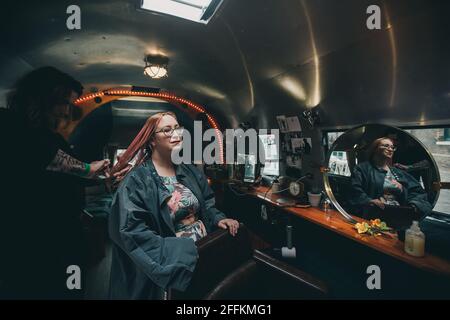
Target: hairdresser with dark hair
[
  {"x": 41, "y": 230},
  {"x": 160, "y": 209}
]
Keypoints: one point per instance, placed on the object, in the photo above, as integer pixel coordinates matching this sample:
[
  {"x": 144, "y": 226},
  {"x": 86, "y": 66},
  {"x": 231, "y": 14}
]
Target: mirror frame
[{"x": 326, "y": 180}]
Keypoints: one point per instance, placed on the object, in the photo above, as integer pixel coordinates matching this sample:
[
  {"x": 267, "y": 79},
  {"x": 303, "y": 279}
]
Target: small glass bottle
[
  {"x": 415, "y": 240},
  {"x": 326, "y": 207}
]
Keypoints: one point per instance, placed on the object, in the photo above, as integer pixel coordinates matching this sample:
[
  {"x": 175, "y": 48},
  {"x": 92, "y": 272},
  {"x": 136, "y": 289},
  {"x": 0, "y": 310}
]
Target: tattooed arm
[
  {"x": 65, "y": 163},
  {"x": 62, "y": 162}
]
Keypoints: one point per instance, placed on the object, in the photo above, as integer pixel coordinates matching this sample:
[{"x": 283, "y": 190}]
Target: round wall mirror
[{"x": 379, "y": 171}]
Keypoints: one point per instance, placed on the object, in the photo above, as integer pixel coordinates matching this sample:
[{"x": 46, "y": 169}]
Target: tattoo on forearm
[{"x": 63, "y": 162}]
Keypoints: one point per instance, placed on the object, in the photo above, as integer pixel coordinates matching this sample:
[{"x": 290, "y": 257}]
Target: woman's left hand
[
  {"x": 414, "y": 207},
  {"x": 230, "y": 224}
]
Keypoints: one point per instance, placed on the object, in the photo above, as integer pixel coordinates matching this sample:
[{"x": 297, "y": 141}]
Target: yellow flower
[
  {"x": 374, "y": 227},
  {"x": 362, "y": 227},
  {"x": 375, "y": 223}
]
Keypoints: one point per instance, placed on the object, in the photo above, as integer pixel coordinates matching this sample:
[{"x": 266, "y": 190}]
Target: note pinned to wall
[
  {"x": 270, "y": 146},
  {"x": 293, "y": 124}
]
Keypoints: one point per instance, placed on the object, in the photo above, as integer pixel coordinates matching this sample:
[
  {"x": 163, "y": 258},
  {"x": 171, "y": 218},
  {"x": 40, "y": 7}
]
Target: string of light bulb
[{"x": 163, "y": 96}]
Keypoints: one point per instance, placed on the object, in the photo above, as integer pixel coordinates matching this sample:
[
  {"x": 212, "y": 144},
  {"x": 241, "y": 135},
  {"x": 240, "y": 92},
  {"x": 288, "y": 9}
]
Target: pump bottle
[{"x": 415, "y": 241}]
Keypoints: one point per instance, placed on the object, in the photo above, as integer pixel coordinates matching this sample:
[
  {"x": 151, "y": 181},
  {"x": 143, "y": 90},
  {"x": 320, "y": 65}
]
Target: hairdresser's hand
[
  {"x": 378, "y": 203},
  {"x": 98, "y": 169},
  {"x": 230, "y": 224}
]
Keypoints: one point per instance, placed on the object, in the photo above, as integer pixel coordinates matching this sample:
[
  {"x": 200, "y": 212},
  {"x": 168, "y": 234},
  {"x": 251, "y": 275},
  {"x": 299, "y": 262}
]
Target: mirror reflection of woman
[
  {"x": 159, "y": 211},
  {"x": 378, "y": 183}
]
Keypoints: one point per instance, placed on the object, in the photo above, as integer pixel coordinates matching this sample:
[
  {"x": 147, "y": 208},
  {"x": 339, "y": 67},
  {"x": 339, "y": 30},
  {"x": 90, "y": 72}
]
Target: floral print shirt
[
  {"x": 184, "y": 207},
  {"x": 392, "y": 189}
]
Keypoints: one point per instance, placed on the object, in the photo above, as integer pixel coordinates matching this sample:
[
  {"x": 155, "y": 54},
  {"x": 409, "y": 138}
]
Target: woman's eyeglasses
[
  {"x": 388, "y": 146},
  {"x": 168, "y": 131}
]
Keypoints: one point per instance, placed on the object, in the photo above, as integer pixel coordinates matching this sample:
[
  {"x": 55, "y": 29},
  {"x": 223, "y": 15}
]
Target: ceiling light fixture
[{"x": 156, "y": 66}]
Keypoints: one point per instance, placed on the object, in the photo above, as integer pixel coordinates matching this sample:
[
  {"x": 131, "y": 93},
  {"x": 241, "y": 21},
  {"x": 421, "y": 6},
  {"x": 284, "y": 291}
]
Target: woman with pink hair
[
  {"x": 378, "y": 183},
  {"x": 159, "y": 210}
]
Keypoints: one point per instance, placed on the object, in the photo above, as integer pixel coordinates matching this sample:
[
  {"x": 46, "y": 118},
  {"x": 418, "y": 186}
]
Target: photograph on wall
[
  {"x": 297, "y": 145},
  {"x": 307, "y": 145},
  {"x": 301, "y": 145},
  {"x": 282, "y": 124},
  {"x": 294, "y": 161}
]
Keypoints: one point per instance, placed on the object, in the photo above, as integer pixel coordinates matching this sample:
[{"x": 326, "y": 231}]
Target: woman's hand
[
  {"x": 414, "y": 207},
  {"x": 378, "y": 203},
  {"x": 401, "y": 166},
  {"x": 230, "y": 224}
]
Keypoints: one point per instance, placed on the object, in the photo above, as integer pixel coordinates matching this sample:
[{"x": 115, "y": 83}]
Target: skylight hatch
[{"x": 194, "y": 10}]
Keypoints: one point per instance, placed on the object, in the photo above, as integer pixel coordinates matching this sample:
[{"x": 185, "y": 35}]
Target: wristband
[{"x": 87, "y": 169}]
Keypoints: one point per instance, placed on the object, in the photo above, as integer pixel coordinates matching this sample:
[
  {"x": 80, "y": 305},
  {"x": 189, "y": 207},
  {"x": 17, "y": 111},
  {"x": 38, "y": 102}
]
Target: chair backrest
[{"x": 265, "y": 277}]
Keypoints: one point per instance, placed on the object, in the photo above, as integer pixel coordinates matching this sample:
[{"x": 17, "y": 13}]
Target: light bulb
[{"x": 155, "y": 71}]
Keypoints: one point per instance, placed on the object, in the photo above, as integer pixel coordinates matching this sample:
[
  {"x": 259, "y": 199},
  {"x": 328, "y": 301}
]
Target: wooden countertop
[{"x": 389, "y": 245}]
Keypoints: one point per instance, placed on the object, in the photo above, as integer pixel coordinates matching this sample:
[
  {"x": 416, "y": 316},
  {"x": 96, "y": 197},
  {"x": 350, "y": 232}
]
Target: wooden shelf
[{"x": 335, "y": 222}]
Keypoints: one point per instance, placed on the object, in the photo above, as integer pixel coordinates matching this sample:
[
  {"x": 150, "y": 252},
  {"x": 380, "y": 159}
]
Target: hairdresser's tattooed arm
[{"x": 65, "y": 163}]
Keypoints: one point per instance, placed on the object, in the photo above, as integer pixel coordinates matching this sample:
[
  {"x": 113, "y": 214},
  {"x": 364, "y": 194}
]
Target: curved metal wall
[{"x": 256, "y": 56}]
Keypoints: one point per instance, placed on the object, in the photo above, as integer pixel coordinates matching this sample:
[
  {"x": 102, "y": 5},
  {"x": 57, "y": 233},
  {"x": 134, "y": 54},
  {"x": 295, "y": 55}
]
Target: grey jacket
[{"x": 147, "y": 256}]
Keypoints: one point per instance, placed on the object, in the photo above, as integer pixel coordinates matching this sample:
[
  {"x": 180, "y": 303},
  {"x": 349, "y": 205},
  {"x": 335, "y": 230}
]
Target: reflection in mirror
[{"x": 379, "y": 171}]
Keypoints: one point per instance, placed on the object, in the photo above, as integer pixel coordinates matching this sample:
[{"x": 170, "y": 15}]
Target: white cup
[{"x": 314, "y": 198}]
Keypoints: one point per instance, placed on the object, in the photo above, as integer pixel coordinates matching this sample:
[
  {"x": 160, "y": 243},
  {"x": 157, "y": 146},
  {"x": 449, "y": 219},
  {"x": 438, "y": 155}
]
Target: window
[
  {"x": 195, "y": 10},
  {"x": 437, "y": 141},
  {"x": 331, "y": 137},
  {"x": 445, "y": 138},
  {"x": 338, "y": 164}
]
